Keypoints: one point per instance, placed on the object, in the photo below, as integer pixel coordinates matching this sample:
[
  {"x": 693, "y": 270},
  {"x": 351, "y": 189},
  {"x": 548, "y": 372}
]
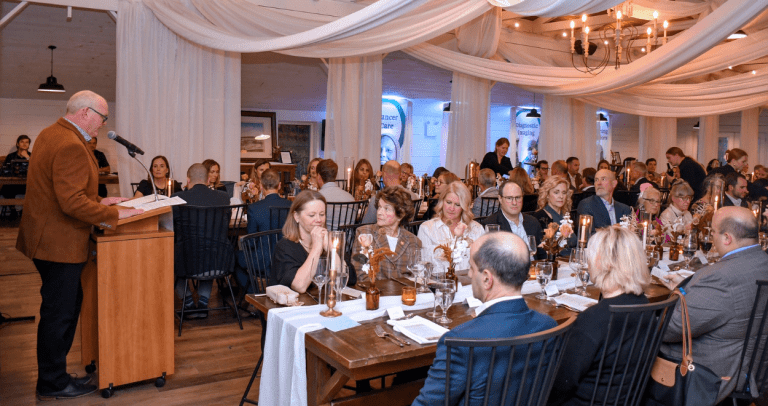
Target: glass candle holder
[{"x": 409, "y": 295}]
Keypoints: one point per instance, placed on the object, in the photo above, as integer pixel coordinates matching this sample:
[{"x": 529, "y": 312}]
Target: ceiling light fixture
[
  {"x": 533, "y": 113},
  {"x": 601, "y": 118},
  {"x": 738, "y": 34},
  {"x": 51, "y": 85},
  {"x": 262, "y": 137},
  {"x": 696, "y": 126}
]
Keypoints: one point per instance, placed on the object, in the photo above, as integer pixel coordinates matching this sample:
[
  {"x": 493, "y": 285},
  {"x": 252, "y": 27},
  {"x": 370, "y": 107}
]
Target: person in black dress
[
  {"x": 690, "y": 170},
  {"x": 22, "y": 152},
  {"x": 555, "y": 197},
  {"x": 103, "y": 164},
  {"x": 617, "y": 266},
  {"x": 160, "y": 171},
  {"x": 304, "y": 236},
  {"x": 214, "y": 175},
  {"x": 497, "y": 160},
  {"x": 736, "y": 160}
]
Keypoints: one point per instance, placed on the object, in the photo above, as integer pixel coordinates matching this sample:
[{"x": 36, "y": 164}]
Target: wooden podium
[{"x": 127, "y": 317}]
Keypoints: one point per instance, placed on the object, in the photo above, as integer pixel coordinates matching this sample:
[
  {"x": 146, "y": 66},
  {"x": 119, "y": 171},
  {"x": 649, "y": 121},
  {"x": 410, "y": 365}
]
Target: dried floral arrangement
[{"x": 556, "y": 235}]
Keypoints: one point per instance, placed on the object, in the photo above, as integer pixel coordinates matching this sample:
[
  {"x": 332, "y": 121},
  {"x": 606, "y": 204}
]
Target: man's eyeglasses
[
  {"x": 510, "y": 199},
  {"x": 103, "y": 117},
  {"x": 544, "y": 169},
  {"x": 684, "y": 198}
]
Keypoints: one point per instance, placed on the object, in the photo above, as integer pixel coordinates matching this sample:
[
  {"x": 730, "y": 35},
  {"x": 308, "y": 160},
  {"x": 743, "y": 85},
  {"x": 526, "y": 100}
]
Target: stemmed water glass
[
  {"x": 584, "y": 278},
  {"x": 690, "y": 245},
  {"x": 543, "y": 276},
  {"x": 320, "y": 278},
  {"x": 421, "y": 271},
  {"x": 577, "y": 261},
  {"x": 445, "y": 292},
  {"x": 342, "y": 277}
]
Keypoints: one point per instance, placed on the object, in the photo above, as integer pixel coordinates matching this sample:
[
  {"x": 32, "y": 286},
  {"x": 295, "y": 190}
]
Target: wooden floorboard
[{"x": 214, "y": 358}]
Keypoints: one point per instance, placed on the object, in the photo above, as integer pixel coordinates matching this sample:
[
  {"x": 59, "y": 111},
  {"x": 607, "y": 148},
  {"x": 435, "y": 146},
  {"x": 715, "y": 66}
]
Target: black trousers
[{"x": 62, "y": 296}]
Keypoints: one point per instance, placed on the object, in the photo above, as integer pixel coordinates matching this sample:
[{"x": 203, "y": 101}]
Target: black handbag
[{"x": 681, "y": 382}]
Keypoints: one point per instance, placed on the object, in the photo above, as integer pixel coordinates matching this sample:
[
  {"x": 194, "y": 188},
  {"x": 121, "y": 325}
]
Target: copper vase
[{"x": 372, "y": 295}]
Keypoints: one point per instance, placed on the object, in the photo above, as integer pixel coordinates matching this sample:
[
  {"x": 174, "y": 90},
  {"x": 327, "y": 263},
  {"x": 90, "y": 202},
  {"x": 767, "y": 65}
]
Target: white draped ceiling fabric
[
  {"x": 174, "y": 98},
  {"x": 470, "y": 95},
  {"x": 647, "y": 86}
]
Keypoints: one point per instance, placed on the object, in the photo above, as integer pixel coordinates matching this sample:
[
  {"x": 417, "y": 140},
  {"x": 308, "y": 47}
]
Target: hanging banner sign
[
  {"x": 527, "y": 139},
  {"x": 604, "y": 140},
  {"x": 394, "y": 122}
]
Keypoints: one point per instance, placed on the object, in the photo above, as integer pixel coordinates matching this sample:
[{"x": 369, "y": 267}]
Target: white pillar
[
  {"x": 748, "y": 138},
  {"x": 568, "y": 128},
  {"x": 709, "y": 133},
  {"x": 470, "y": 106},
  {"x": 657, "y": 135}
]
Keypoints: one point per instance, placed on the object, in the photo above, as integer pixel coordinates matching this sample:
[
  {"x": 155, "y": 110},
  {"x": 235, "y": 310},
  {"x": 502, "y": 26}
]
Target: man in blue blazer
[
  {"x": 510, "y": 218},
  {"x": 605, "y": 211},
  {"x": 498, "y": 267}
]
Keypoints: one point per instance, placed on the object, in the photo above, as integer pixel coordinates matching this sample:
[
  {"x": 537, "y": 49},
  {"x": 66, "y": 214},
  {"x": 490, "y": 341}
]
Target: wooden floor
[{"x": 214, "y": 358}]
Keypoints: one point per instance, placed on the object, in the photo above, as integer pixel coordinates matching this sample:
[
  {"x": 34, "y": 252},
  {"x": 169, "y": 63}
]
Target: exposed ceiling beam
[
  {"x": 108, "y": 5},
  {"x": 16, "y": 10}
]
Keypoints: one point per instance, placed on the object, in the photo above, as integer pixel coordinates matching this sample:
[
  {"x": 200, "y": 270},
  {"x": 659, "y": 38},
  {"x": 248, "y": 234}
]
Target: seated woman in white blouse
[
  {"x": 680, "y": 195},
  {"x": 453, "y": 217}
]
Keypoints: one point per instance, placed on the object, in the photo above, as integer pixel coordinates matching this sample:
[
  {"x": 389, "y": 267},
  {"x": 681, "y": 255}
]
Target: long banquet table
[
  {"x": 316, "y": 374},
  {"x": 15, "y": 180}
]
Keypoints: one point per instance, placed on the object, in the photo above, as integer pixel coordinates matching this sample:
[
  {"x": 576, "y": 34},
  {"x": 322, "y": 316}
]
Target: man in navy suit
[
  {"x": 498, "y": 266},
  {"x": 605, "y": 211},
  {"x": 198, "y": 194},
  {"x": 735, "y": 190}
]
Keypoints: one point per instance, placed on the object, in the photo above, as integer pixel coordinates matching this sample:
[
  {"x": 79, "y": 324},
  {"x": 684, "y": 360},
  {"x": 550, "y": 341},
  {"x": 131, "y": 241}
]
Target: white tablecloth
[{"x": 284, "y": 373}]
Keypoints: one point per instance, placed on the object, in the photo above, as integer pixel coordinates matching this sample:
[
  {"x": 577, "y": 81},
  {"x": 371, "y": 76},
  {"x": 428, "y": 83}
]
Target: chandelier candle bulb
[
  {"x": 666, "y": 24},
  {"x": 585, "y": 41},
  {"x": 655, "y": 25},
  {"x": 618, "y": 21},
  {"x": 573, "y": 38},
  {"x": 648, "y": 44}
]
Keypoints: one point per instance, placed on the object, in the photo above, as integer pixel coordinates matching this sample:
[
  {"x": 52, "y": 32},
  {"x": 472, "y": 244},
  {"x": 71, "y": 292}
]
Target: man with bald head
[
  {"x": 605, "y": 211},
  {"x": 390, "y": 175},
  {"x": 720, "y": 298},
  {"x": 498, "y": 266},
  {"x": 61, "y": 206}
]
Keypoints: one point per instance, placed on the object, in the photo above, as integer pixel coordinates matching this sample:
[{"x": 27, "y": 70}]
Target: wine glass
[
  {"x": 543, "y": 276},
  {"x": 414, "y": 258},
  {"x": 584, "y": 278},
  {"x": 433, "y": 286},
  {"x": 321, "y": 277},
  {"x": 653, "y": 257},
  {"x": 447, "y": 290},
  {"x": 532, "y": 246},
  {"x": 576, "y": 261},
  {"x": 690, "y": 245},
  {"x": 491, "y": 228}
]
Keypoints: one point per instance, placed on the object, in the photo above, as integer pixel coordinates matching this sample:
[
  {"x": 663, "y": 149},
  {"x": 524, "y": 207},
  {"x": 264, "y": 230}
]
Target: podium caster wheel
[
  {"x": 107, "y": 393},
  {"x": 90, "y": 368},
  {"x": 160, "y": 382}
]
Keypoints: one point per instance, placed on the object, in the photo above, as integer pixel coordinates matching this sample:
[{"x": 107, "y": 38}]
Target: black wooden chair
[
  {"x": 530, "y": 202},
  {"x": 258, "y": 249},
  {"x": 349, "y": 239},
  {"x": 413, "y": 226},
  {"x": 636, "y": 332},
  {"x": 755, "y": 353},
  {"x": 431, "y": 203},
  {"x": 627, "y": 197},
  {"x": 416, "y": 206},
  {"x": 339, "y": 214},
  {"x": 237, "y": 223},
  {"x": 520, "y": 370},
  {"x": 134, "y": 187},
  {"x": 202, "y": 249},
  {"x": 342, "y": 183},
  {"x": 488, "y": 206},
  {"x": 277, "y": 217}
]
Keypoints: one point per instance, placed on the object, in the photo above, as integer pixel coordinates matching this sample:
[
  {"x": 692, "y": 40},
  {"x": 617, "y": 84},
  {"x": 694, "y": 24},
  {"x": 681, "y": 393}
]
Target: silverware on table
[
  {"x": 383, "y": 334},
  {"x": 392, "y": 334}
]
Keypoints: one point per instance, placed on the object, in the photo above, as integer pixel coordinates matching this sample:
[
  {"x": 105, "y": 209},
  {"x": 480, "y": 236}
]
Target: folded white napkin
[{"x": 419, "y": 329}]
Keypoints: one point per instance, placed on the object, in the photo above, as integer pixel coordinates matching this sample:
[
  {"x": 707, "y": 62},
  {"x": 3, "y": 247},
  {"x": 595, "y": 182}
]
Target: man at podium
[{"x": 60, "y": 208}]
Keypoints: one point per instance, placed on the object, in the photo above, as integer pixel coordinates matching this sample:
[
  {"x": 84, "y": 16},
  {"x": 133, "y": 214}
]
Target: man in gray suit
[{"x": 720, "y": 298}]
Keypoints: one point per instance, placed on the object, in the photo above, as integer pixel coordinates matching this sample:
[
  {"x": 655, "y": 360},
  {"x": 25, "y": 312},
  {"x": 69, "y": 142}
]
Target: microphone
[{"x": 131, "y": 148}]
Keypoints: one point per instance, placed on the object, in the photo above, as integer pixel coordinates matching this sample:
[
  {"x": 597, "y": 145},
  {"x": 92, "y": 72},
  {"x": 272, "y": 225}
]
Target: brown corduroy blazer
[{"x": 62, "y": 202}]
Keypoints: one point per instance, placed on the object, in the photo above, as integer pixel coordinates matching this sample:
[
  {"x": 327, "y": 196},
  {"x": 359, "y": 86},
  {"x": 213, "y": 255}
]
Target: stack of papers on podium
[
  {"x": 419, "y": 329},
  {"x": 148, "y": 203}
]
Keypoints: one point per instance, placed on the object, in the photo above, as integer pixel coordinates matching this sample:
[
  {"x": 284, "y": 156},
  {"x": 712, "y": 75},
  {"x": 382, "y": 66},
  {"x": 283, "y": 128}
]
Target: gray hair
[
  {"x": 81, "y": 100},
  {"x": 617, "y": 260},
  {"x": 487, "y": 177},
  {"x": 498, "y": 255}
]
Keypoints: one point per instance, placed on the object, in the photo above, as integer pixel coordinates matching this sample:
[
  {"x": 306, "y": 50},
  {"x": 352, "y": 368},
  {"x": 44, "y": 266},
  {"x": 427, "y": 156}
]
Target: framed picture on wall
[{"x": 258, "y": 135}]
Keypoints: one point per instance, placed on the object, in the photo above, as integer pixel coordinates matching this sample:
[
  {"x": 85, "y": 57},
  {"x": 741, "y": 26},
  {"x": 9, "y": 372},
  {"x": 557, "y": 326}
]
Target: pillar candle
[{"x": 645, "y": 233}]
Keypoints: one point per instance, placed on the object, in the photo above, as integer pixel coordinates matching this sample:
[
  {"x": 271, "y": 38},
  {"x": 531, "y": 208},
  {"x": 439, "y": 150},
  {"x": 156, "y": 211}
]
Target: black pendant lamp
[
  {"x": 533, "y": 113},
  {"x": 51, "y": 85},
  {"x": 602, "y": 119}
]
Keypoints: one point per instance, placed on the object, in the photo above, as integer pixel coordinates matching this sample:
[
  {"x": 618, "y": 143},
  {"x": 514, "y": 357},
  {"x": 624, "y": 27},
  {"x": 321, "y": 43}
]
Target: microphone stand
[{"x": 154, "y": 188}]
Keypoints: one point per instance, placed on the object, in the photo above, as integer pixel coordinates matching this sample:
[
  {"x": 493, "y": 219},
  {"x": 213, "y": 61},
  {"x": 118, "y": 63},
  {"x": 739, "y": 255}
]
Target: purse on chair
[{"x": 682, "y": 382}]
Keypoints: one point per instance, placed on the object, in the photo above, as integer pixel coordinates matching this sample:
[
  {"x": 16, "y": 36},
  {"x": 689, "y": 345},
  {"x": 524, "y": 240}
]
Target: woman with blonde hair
[
  {"x": 304, "y": 236},
  {"x": 520, "y": 176},
  {"x": 214, "y": 175},
  {"x": 617, "y": 266},
  {"x": 453, "y": 218},
  {"x": 555, "y": 199}
]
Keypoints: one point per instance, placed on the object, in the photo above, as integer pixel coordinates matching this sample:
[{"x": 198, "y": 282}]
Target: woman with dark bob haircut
[{"x": 394, "y": 209}]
